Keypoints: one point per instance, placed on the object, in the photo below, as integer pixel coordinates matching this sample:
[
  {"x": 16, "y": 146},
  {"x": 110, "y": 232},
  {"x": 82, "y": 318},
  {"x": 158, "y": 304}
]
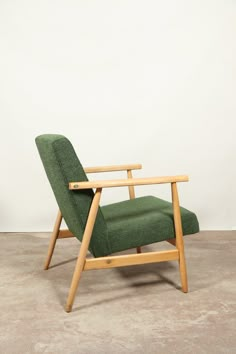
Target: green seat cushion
[{"x": 143, "y": 221}]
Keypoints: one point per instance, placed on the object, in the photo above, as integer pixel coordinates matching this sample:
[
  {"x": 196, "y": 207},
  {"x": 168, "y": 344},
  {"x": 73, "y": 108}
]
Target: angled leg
[
  {"x": 83, "y": 249},
  {"x": 53, "y": 240},
  {"x": 179, "y": 237}
]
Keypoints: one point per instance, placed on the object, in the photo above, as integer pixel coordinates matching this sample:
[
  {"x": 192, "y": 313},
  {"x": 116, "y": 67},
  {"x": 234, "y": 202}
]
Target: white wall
[{"x": 127, "y": 81}]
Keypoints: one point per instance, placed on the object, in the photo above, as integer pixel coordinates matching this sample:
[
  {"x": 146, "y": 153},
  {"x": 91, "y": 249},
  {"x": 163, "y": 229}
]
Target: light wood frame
[{"x": 83, "y": 263}]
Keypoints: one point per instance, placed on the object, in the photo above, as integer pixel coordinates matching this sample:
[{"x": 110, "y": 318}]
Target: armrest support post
[
  {"x": 132, "y": 196},
  {"x": 131, "y": 188}
]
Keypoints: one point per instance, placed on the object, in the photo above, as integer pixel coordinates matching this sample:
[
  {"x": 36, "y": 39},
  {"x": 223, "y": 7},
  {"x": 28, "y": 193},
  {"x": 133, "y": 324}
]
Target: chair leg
[
  {"x": 139, "y": 250},
  {"x": 53, "y": 239},
  {"x": 183, "y": 273},
  {"x": 83, "y": 250},
  {"x": 179, "y": 238},
  {"x": 75, "y": 282}
]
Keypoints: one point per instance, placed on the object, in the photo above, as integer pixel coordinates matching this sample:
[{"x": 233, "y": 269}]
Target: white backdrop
[{"x": 127, "y": 81}]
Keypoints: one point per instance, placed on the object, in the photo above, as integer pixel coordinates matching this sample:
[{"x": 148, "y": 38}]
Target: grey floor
[{"x": 137, "y": 309}]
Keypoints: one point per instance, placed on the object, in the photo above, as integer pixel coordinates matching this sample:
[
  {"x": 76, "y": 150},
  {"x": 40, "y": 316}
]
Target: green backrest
[{"x": 63, "y": 166}]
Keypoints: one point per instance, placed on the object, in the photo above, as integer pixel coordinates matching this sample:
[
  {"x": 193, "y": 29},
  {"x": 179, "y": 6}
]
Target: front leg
[{"x": 83, "y": 249}]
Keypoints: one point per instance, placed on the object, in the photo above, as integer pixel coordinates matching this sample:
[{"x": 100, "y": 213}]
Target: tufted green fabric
[
  {"x": 143, "y": 221},
  {"x": 118, "y": 226},
  {"x": 62, "y": 166}
]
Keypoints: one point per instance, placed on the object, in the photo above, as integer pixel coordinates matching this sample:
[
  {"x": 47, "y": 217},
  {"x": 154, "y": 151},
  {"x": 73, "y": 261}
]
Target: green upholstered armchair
[{"x": 105, "y": 230}]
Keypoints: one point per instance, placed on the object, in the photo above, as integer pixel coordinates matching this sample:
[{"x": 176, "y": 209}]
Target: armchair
[{"x": 105, "y": 230}]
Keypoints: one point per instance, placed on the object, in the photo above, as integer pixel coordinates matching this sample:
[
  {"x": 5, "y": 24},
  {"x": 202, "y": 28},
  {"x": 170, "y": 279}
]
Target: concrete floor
[{"x": 125, "y": 310}]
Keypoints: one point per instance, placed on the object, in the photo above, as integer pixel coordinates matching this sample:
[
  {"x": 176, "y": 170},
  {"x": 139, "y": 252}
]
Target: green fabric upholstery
[
  {"x": 143, "y": 221},
  {"x": 63, "y": 166},
  {"x": 118, "y": 226}
]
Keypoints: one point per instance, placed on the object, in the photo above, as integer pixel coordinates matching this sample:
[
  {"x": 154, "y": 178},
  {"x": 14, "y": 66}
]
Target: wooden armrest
[
  {"x": 126, "y": 182},
  {"x": 112, "y": 168}
]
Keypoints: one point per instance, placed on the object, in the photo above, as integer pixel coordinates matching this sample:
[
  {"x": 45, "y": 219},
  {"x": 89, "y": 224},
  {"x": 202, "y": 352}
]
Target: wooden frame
[
  {"x": 114, "y": 168},
  {"x": 83, "y": 263},
  {"x": 126, "y": 182}
]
